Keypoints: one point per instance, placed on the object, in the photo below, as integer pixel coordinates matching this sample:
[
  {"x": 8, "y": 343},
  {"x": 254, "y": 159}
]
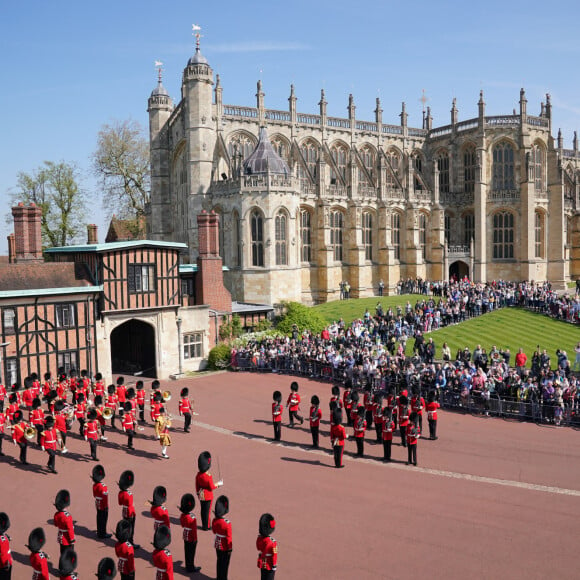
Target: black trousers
[
  {"x": 294, "y": 415},
  {"x": 277, "y": 430},
  {"x": 412, "y": 454},
  {"x": 63, "y": 438},
  {"x": 420, "y": 422},
  {"x": 6, "y": 573},
  {"x": 130, "y": 435},
  {"x": 189, "y": 548},
  {"x": 93, "y": 446},
  {"x": 23, "y": 449},
  {"x": 338, "y": 452},
  {"x": 130, "y": 576},
  {"x": 403, "y": 432},
  {"x": 315, "y": 435},
  {"x": 132, "y": 531},
  {"x": 360, "y": 446},
  {"x": 205, "y": 506},
  {"x": 223, "y": 563},
  {"x": 369, "y": 419},
  {"x": 379, "y": 431},
  {"x": 187, "y": 417},
  {"x": 387, "y": 449},
  {"x": 432, "y": 428},
  {"x": 39, "y": 430},
  {"x": 142, "y": 413},
  {"x": 81, "y": 426},
  {"x": 102, "y": 517},
  {"x": 267, "y": 574},
  {"x": 51, "y": 459}
]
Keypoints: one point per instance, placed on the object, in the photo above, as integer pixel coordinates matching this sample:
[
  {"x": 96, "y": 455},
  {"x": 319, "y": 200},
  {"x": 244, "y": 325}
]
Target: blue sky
[{"x": 71, "y": 66}]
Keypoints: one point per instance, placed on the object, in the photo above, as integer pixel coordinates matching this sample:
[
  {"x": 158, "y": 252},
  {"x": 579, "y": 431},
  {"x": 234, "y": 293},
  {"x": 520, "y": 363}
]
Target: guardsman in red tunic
[
  {"x": 13, "y": 406},
  {"x": 67, "y": 565},
  {"x": 63, "y": 521},
  {"x": 140, "y": 396},
  {"x": 337, "y": 436},
  {"x": 277, "y": 409},
  {"x": 368, "y": 404},
  {"x": 38, "y": 559},
  {"x": 156, "y": 404},
  {"x": 293, "y": 404},
  {"x": 98, "y": 402},
  {"x": 222, "y": 529},
  {"x": 37, "y": 418},
  {"x": 60, "y": 424},
  {"x": 111, "y": 403},
  {"x": 159, "y": 512},
  {"x": 347, "y": 399},
  {"x": 48, "y": 442},
  {"x": 162, "y": 559},
  {"x": 315, "y": 415},
  {"x": 185, "y": 408},
  {"x": 125, "y": 499},
  {"x": 99, "y": 386},
  {"x": 125, "y": 551},
  {"x": 204, "y": 487},
  {"x": 403, "y": 416},
  {"x": 129, "y": 424},
  {"x": 431, "y": 408},
  {"x": 267, "y": 547},
  {"x": 188, "y": 522},
  {"x": 5, "y": 554},
  {"x": 18, "y": 429},
  {"x": 354, "y": 407},
  {"x": 28, "y": 393},
  {"x": 413, "y": 434},
  {"x": 360, "y": 426},
  {"x": 335, "y": 399},
  {"x": 85, "y": 383},
  {"x": 388, "y": 428},
  {"x": 417, "y": 406},
  {"x": 47, "y": 384},
  {"x": 132, "y": 398},
  {"x": 35, "y": 384},
  {"x": 101, "y": 495},
  {"x": 378, "y": 416},
  {"x": 2, "y": 428},
  {"x": 80, "y": 411},
  {"x": 106, "y": 570},
  {"x": 92, "y": 432},
  {"x": 2, "y": 396}
]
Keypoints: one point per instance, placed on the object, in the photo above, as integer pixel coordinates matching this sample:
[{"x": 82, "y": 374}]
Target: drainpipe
[
  {"x": 179, "y": 344},
  {"x": 215, "y": 314}
]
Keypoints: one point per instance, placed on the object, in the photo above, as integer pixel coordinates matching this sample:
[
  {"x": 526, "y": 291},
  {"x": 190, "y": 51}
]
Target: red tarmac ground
[{"x": 490, "y": 498}]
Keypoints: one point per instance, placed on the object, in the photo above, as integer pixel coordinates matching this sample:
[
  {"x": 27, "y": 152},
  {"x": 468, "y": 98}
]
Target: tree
[
  {"x": 121, "y": 162},
  {"x": 54, "y": 187}
]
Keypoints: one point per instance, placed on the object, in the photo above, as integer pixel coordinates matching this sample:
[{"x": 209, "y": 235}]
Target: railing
[
  {"x": 392, "y": 129},
  {"x": 422, "y": 195},
  {"x": 451, "y": 198},
  {"x": 467, "y": 125},
  {"x": 440, "y": 132},
  {"x": 244, "y": 112},
  {"x": 308, "y": 119},
  {"x": 308, "y": 188},
  {"x": 503, "y": 120},
  {"x": 337, "y": 190},
  {"x": 503, "y": 195},
  {"x": 366, "y": 126},
  {"x": 414, "y": 132},
  {"x": 569, "y": 153},
  {"x": 394, "y": 193},
  {"x": 268, "y": 180},
  {"x": 538, "y": 122},
  {"x": 336, "y": 122},
  {"x": 367, "y": 191},
  {"x": 278, "y": 115},
  {"x": 458, "y": 250}
]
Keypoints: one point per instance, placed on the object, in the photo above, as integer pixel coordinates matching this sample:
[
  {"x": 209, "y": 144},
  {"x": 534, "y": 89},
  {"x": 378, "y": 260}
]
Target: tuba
[
  {"x": 107, "y": 413},
  {"x": 29, "y": 433},
  {"x": 166, "y": 396}
]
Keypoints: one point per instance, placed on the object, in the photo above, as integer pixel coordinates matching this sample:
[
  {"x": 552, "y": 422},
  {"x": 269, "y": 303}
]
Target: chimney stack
[
  {"x": 11, "y": 249},
  {"x": 92, "y": 237},
  {"x": 27, "y": 233}
]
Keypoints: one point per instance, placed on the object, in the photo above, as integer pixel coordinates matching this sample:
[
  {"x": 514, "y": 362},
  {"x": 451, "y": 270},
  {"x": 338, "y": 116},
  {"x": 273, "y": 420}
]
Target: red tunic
[
  {"x": 101, "y": 495},
  {"x": 293, "y": 401},
  {"x": 111, "y": 402},
  {"x": 388, "y": 427},
  {"x": 121, "y": 393},
  {"x": 126, "y": 554},
  {"x": 337, "y": 435},
  {"x": 189, "y": 525},
  {"x": 163, "y": 561},
  {"x": 80, "y": 410},
  {"x": 277, "y": 412},
  {"x": 267, "y": 552},
  {"x": 60, "y": 422},
  {"x": 222, "y": 529},
  {"x": 37, "y": 417},
  {"x": 403, "y": 414},
  {"x": 413, "y": 435},
  {"x": 2, "y": 422},
  {"x": 184, "y": 406},
  {"x": 18, "y": 432},
  {"x": 155, "y": 411},
  {"x": 417, "y": 405},
  {"x": 160, "y": 516},
  {"x": 315, "y": 416},
  {"x": 125, "y": 500},
  {"x": 48, "y": 439},
  {"x": 91, "y": 430},
  {"x": 5, "y": 555},
  {"x": 204, "y": 486},
  {"x": 27, "y": 397},
  {"x": 360, "y": 426},
  {"x": 128, "y": 422},
  {"x": 39, "y": 563},
  {"x": 99, "y": 388},
  {"x": 141, "y": 397},
  {"x": 432, "y": 410},
  {"x": 66, "y": 533}
]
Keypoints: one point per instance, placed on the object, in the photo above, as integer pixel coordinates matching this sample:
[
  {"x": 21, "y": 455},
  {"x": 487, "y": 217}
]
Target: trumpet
[
  {"x": 29, "y": 433},
  {"x": 107, "y": 413},
  {"x": 166, "y": 396}
]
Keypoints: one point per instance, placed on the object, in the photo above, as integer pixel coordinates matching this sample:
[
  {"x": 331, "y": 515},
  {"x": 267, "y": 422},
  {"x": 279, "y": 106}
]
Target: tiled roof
[
  {"x": 124, "y": 230},
  {"x": 42, "y": 276}
]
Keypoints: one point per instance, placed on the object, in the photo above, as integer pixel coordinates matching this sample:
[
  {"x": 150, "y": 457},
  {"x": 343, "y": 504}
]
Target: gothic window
[
  {"x": 237, "y": 239},
  {"x": 396, "y": 234},
  {"x": 368, "y": 160},
  {"x": 447, "y": 228},
  {"x": 468, "y": 228},
  {"x": 503, "y": 236},
  {"x": 443, "y": 167},
  {"x": 309, "y": 152},
  {"x": 241, "y": 143},
  {"x": 536, "y": 167},
  {"x": 417, "y": 164},
  {"x": 367, "y": 231},
  {"x": 281, "y": 147},
  {"x": 503, "y": 167},
  {"x": 336, "y": 229},
  {"x": 340, "y": 157},
  {"x": 257, "y": 231},
  {"x": 423, "y": 235},
  {"x": 394, "y": 161},
  {"x": 305, "y": 236},
  {"x": 469, "y": 167},
  {"x": 568, "y": 232},
  {"x": 281, "y": 233},
  {"x": 539, "y": 234}
]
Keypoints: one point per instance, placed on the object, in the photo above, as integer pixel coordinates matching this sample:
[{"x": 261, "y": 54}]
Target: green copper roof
[{"x": 113, "y": 246}]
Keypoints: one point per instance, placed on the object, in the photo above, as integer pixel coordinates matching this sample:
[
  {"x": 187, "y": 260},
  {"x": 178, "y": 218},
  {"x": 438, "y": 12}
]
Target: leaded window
[
  {"x": 281, "y": 234},
  {"x": 469, "y": 169},
  {"x": 503, "y": 167},
  {"x": 336, "y": 230},
  {"x": 193, "y": 345},
  {"x": 536, "y": 167},
  {"x": 393, "y": 161},
  {"x": 309, "y": 152},
  {"x": 367, "y": 231},
  {"x": 423, "y": 235},
  {"x": 468, "y": 228},
  {"x": 443, "y": 167},
  {"x": 257, "y": 232},
  {"x": 305, "y": 236},
  {"x": 503, "y": 236},
  {"x": 396, "y": 234},
  {"x": 339, "y": 155},
  {"x": 539, "y": 234}
]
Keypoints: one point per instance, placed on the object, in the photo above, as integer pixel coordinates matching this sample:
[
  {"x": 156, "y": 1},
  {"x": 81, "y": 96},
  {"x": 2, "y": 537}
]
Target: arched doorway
[
  {"x": 133, "y": 349},
  {"x": 458, "y": 270}
]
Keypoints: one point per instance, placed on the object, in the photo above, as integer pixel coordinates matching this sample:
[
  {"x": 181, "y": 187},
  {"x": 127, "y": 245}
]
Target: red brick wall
[{"x": 27, "y": 232}]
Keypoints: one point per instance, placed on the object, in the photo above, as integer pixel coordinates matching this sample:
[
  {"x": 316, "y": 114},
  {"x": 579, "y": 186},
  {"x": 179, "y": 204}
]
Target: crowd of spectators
[{"x": 372, "y": 351}]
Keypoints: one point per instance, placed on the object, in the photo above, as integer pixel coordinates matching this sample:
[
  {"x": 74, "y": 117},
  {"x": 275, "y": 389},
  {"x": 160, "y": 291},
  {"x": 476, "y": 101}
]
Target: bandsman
[
  {"x": 315, "y": 416},
  {"x": 413, "y": 434},
  {"x": 91, "y": 432},
  {"x": 188, "y": 522},
  {"x": 338, "y": 436},
  {"x": 101, "y": 495},
  {"x": 18, "y": 435},
  {"x": 185, "y": 408},
  {"x": 48, "y": 442},
  {"x": 140, "y": 397},
  {"x": 63, "y": 521},
  {"x": 204, "y": 487},
  {"x": 162, "y": 559},
  {"x": 38, "y": 558},
  {"x": 129, "y": 424},
  {"x": 277, "y": 409},
  {"x": 222, "y": 529},
  {"x": 125, "y": 551},
  {"x": 125, "y": 499},
  {"x": 360, "y": 426},
  {"x": 267, "y": 547}
]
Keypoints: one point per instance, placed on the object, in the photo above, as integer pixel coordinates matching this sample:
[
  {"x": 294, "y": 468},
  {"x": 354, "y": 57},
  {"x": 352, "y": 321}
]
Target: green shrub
[
  {"x": 219, "y": 357},
  {"x": 303, "y": 317}
]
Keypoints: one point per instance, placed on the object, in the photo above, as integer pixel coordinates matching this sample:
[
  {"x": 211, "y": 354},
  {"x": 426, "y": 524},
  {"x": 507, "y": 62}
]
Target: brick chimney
[
  {"x": 92, "y": 237},
  {"x": 209, "y": 283},
  {"x": 11, "y": 249},
  {"x": 27, "y": 233}
]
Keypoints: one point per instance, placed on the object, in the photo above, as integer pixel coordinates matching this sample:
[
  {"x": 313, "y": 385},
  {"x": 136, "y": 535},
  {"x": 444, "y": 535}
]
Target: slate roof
[{"x": 264, "y": 159}]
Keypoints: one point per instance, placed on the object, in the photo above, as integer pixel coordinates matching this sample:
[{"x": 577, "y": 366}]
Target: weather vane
[
  {"x": 159, "y": 66},
  {"x": 423, "y": 99},
  {"x": 196, "y": 32}
]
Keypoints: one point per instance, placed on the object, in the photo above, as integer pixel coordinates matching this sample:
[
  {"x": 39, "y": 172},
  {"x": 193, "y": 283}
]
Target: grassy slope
[{"x": 512, "y": 328}]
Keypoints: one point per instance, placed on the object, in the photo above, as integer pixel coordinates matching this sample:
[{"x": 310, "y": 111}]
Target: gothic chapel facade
[{"x": 307, "y": 201}]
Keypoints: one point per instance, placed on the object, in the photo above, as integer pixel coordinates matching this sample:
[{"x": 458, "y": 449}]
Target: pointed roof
[{"x": 264, "y": 159}]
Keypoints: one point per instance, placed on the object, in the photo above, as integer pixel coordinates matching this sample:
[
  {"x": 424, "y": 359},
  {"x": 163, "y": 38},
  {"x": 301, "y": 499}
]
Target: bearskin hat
[
  {"x": 161, "y": 409},
  {"x": 379, "y": 398},
  {"x": 47, "y": 376},
  {"x": 4, "y": 522},
  {"x": 123, "y": 530},
  {"x": 403, "y": 400},
  {"x": 120, "y": 380},
  {"x": 187, "y": 503},
  {"x": 222, "y": 506},
  {"x": 92, "y": 414},
  {"x": 58, "y": 406},
  {"x": 84, "y": 373},
  {"x": 73, "y": 373},
  {"x": 184, "y": 392},
  {"x": 360, "y": 410},
  {"x": 348, "y": 384},
  {"x": 204, "y": 461},
  {"x": 49, "y": 422},
  {"x": 127, "y": 406},
  {"x": 62, "y": 499},
  {"x": 17, "y": 416},
  {"x": 267, "y": 524},
  {"x": 98, "y": 473},
  {"x": 52, "y": 395},
  {"x": 34, "y": 376},
  {"x": 13, "y": 398},
  {"x": 159, "y": 496},
  {"x": 67, "y": 562},
  {"x": 337, "y": 416},
  {"x": 413, "y": 417},
  {"x": 139, "y": 384},
  {"x": 333, "y": 405},
  {"x": 28, "y": 382},
  {"x": 335, "y": 390},
  {"x": 126, "y": 480},
  {"x": 98, "y": 377},
  {"x": 98, "y": 400},
  {"x": 36, "y": 403},
  {"x": 162, "y": 537},
  {"x": 314, "y": 400},
  {"x": 431, "y": 396},
  {"x": 111, "y": 389},
  {"x": 131, "y": 393},
  {"x": 354, "y": 397},
  {"x": 294, "y": 386},
  {"x": 81, "y": 398},
  {"x": 277, "y": 396},
  {"x": 155, "y": 385},
  {"x": 106, "y": 569},
  {"x": 36, "y": 539}
]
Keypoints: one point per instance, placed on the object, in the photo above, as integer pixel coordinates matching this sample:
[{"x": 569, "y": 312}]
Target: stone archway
[
  {"x": 458, "y": 270},
  {"x": 133, "y": 349}
]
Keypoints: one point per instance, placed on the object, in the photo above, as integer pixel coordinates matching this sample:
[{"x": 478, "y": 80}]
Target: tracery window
[
  {"x": 394, "y": 161},
  {"x": 469, "y": 168},
  {"x": 368, "y": 161},
  {"x": 423, "y": 235},
  {"x": 339, "y": 155},
  {"x": 468, "y": 228},
  {"x": 536, "y": 167},
  {"x": 309, "y": 152},
  {"x": 503, "y": 167},
  {"x": 367, "y": 231},
  {"x": 539, "y": 234},
  {"x": 417, "y": 164},
  {"x": 503, "y": 236},
  {"x": 447, "y": 228},
  {"x": 257, "y": 238},
  {"x": 281, "y": 235},
  {"x": 241, "y": 143},
  {"x": 336, "y": 229},
  {"x": 281, "y": 147},
  {"x": 443, "y": 167},
  {"x": 305, "y": 236},
  {"x": 237, "y": 238},
  {"x": 396, "y": 234}
]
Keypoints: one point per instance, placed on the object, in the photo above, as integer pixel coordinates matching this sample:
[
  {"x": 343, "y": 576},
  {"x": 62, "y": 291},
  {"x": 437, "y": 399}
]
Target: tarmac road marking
[{"x": 427, "y": 470}]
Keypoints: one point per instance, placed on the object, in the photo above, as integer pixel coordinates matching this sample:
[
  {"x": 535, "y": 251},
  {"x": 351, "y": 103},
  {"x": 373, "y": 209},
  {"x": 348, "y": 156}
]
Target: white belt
[{"x": 219, "y": 536}]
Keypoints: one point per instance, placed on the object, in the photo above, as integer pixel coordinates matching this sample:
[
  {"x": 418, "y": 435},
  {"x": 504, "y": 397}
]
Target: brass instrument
[
  {"x": 166, "y": 396},
  {"x": 107, "y": 413},
  {"x": 29, "y": 433}
]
